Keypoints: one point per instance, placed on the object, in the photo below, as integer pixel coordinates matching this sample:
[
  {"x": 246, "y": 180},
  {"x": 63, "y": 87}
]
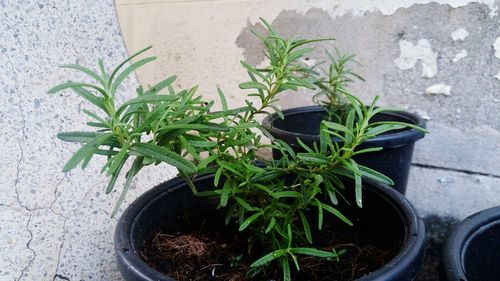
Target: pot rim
[
  {"x": 413, "y": 245},
  {"x": 455, "y": 246},
  {"x": 391, "y": 139}
]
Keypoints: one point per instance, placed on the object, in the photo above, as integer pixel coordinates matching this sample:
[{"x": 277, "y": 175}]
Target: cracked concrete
[
  {"x": 57, "y": 227},
  {"x": 54, "y": 226}
]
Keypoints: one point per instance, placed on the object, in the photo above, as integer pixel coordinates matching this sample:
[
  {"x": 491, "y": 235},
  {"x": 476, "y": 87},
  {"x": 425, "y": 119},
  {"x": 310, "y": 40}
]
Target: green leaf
[
  {"x": 202, "y": 144},
  {"x": 146, "y": 99},
  {"x": 136, "y": 167},
  {"x": 165, "y": 155},
  {"x": 253, "y": 85},
  {"x": 314, "y": 158},
  {"x": 287, "y": 194},
  {"x": 333, "y": 211},
  {"x": 370, "y": 173},
  {"x": 380, "y": 129},
  {"x": 230, "y": 213},
  {"x": 313, "y": 252},
  {"x": 385, "y": 109},
  {"x": 115, "y": 175},
  {"x": 305, "y": 225},
  {"x": 270, "y": 226},
  {"x": 320, "y": 214},
  {"x": 285, "y": 266},
  {"x": 269, "y": 258},
  {"x": 77, "y": 136},
  {"x": 115, "y": 71},
  {"x": 252, "y": 70},
  {"x": 397, "y": 124},
  {"x": 248, "y": 221},
  {"x": 357, "y": 184},
  {"x": 266, "y": 176},
  {"x": 189, "y": 148},
  {"x": 86, "y": 71},
  {"x": 367, "y": 150},
  {"x": 337, "y": 127},
  {"x": 225, "y": 193},
  {"x": 304, "y": 146},
  {"x": 86, "y": 151},
  {"x": 217, "y": 176},
  {"x": 118, "y": 160},
  {"x": 222, "y": 100},
  {"x": 244, "y": 204},
  {"x": 160, "y": 86},
  {"x": 350, "y": 125},
  {"x": 71, "y": 85},
  {"x": 204, "y": 162}
]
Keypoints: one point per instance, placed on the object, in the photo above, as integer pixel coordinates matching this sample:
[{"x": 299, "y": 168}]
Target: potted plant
[
  {"x": 230, "y": 215},
  {"x": 471, "y": 252},
  {"x": 392, "y": 149}
]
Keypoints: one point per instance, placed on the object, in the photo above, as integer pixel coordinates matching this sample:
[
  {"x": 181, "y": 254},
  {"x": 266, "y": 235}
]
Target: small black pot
[
  {"x": 472, "y": 251},
  {"x": 393, "y": 161},
  {"x": 386, "y": 215}
]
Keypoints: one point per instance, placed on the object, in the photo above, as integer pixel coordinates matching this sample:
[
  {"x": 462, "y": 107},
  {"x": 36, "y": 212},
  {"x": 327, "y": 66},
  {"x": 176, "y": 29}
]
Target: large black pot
[
  {"x": 386, "y": 216},
  {"x": 472, "y": 251},
  {"x": 393, "y": 161}
]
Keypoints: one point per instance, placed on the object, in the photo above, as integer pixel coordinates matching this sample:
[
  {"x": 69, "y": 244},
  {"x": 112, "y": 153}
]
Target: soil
[{"x": 198, "y": 246}]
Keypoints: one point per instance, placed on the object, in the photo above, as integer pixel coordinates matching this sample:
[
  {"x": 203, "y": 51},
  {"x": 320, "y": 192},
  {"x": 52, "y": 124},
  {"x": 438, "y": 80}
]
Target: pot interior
[
  {"x": 380, "y": 221},
  {"x": 481, "y": 255}
]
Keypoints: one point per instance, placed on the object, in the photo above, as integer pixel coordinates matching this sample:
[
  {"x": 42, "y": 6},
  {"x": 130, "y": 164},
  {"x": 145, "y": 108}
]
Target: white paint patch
[
  {"x": 497, "y": 76},
  {"x": 410, "y": 54},
  {"x": 357, "y": 8},
  {"x": 462, "y": 54},
  {"x": 309, "y": 62},
  {"x": 423, "y": 114},
  {"x": 459, "y": 34},
  {"x": 496, "y": 45},
  {"x": 438, "y": 89}
]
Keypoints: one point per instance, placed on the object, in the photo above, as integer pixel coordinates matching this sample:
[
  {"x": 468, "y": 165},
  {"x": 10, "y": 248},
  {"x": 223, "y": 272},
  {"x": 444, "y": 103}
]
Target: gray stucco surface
[{"x": 56, "y": 226}]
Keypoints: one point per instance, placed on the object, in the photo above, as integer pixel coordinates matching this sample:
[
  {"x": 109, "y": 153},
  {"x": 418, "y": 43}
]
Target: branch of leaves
[
  {"x": 107, "y": 83},
  {"x": 285, "y": 72}
]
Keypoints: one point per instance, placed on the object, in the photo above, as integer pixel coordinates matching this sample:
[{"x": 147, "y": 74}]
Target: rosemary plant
[
  {"x": 334, "y": 86},
  {"x": 272, "y": 200}
]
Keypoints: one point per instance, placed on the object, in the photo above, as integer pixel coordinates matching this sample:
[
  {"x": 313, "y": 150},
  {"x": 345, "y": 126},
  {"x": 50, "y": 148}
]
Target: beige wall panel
[{"x": 193, "y": 39}]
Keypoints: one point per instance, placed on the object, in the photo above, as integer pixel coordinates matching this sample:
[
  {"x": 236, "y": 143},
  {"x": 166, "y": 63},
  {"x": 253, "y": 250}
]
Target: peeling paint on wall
[
  {"x": 438, "y": 89},
  {"x": 496, "y": 46},
  {"x": 411, "y": 54},
  {"x": 498, "y": 75},
  {"x": 459, "y": 34},
  {"x": 462, "y": 54}
]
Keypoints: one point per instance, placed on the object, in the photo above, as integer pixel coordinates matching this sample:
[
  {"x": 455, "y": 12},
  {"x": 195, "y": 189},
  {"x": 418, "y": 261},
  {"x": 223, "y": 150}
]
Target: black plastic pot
[
  {"x": 386, "y": 216},
  {"x": 472, "y": 251},
  {"x": 393, "y": 161}
]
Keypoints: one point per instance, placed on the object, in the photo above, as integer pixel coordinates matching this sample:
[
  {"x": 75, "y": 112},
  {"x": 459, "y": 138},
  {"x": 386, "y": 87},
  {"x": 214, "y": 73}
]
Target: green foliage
[
  {"x": 334, "y": 86},
  {"x": 159, "y": 125},
  {"x": 285, "y": 72},
  {"x": 272, "y": 200}
]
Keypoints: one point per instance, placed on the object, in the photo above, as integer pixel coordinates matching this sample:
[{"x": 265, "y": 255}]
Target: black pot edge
[
  {"x": 125, "y": 253},
  {"x": 452, "y": 253},
  {"x": 386, "y": 140},
  {"x": 414, "y": 245},
  {"x": 415, "y": 241}
]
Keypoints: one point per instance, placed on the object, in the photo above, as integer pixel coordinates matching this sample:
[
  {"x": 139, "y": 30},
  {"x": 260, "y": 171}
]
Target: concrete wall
[
  {"x": 54, "y": 226},
  {"x": 57, "y": 227}
]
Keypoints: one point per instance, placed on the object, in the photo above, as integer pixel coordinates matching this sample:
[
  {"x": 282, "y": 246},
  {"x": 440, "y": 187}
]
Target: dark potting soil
[{"x": 198, "y": 246}]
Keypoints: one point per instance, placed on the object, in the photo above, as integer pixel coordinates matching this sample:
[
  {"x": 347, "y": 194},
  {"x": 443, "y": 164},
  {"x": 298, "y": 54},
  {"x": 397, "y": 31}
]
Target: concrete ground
[{"x": 440, "y": 59}]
